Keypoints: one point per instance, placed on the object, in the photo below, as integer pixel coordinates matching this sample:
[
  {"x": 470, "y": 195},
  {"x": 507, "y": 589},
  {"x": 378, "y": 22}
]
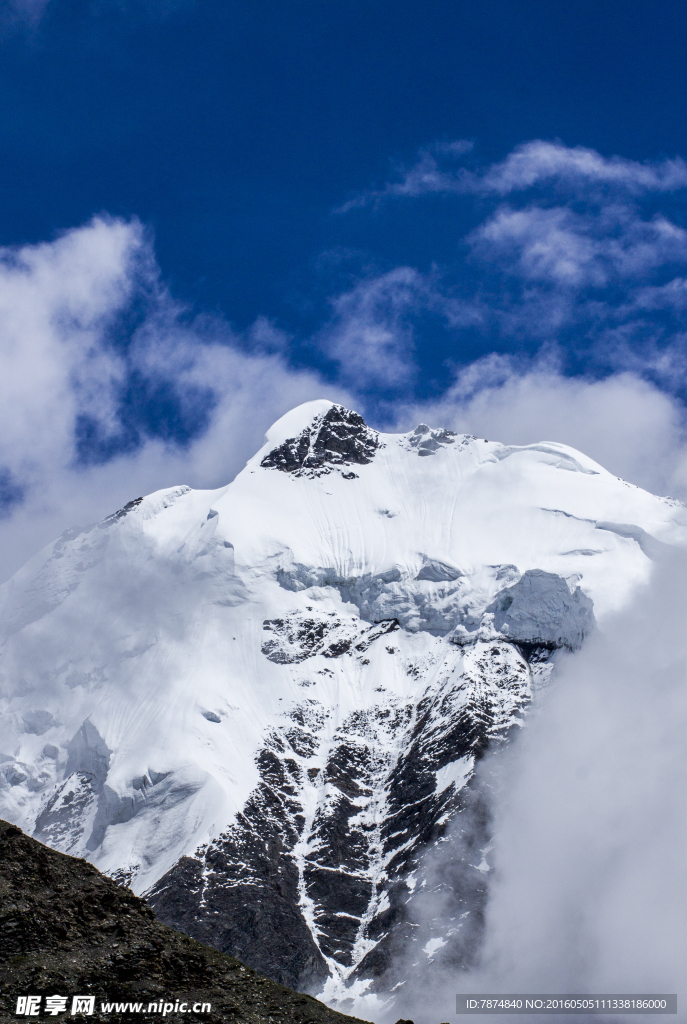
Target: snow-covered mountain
[{"x": 259, "y": 705}]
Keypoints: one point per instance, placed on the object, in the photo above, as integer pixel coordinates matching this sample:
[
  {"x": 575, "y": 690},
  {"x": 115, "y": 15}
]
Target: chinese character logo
[
  {"x": 83, "y": 1004},
  {"x": 28, "y": 1006},
  {"x": 55, "y": 1005}
]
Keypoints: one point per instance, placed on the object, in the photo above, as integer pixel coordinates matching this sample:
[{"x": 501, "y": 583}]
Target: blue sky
[{"x": 472, "y": 210}]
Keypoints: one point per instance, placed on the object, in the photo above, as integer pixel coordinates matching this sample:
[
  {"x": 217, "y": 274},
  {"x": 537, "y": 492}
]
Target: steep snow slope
[{"x": 260, "y": 704}]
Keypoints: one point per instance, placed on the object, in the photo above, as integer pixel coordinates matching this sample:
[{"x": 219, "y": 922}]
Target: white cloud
[
  {"x": 56, "y": 302},
  {"x": 542, "y": 245},
  {"x": 590, "y": 873},
  {"x": 672, "y": 295},
  {"x": 628, "y": 425},
  {"x": 424, "y": 176},
  {"x": 66, "y": 361},
  {"x": 530, "y": 165},
  {"x": 579, "y": 822},
  {"x": 371, "y": 335},
  {"x": 573, "y": 257},
  {"x": 600, "y": 274},
  {"x": 538, "y": 161},
  {"x": 571, "y": 250}
]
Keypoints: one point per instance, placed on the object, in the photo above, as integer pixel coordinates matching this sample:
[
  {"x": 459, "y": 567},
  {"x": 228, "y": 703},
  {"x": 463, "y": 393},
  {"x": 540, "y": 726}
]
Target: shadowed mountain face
[
  {"x": 67, "y": 929},
  {"x": 261, "y": 706}
]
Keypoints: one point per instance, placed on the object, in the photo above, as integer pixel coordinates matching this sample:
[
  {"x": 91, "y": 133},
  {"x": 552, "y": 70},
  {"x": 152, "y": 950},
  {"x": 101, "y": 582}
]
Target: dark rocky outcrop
[
  {"x": 242, "y": 895},
  {"x": 67, "y": 929},
  {"x": 121, "y": 512},
  {"x": 339, "y": 438},
  {"x": 283, "y": 888},
  {"x": 298, "y": 637}
]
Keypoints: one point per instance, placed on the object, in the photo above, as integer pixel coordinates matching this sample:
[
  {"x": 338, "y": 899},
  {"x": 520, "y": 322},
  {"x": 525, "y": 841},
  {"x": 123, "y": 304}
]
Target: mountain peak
[
  {"x": 262, "y": 704},
  {"x": 294, "y": 422},
  {"x": 334, "y": 436}
]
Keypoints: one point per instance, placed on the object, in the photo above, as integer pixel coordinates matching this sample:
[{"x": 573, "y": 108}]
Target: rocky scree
[{"x": 65, "y": 928}]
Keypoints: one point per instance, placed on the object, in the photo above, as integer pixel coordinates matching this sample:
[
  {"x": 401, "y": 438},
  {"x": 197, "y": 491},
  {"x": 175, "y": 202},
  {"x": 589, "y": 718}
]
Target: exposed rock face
[
  {"x": 297, "y": 637},
  {"x": 315, "y": 867},
  {"x": 426, "y": 442},
  {"x": 120, "y": 513},
  {"x": 338, "y": 438},
  {"x": 66, "y": 929}
]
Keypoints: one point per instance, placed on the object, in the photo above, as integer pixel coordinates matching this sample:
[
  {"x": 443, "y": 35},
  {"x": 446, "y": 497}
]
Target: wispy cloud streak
[
  {"x": 532, "y": 164},
  {"x": 571, "y": 250}
]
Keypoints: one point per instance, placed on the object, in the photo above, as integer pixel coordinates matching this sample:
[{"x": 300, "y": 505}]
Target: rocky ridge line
[{"x": 67, "y": 929}]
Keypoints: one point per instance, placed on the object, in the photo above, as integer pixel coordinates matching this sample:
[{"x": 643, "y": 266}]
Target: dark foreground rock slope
[{"x": 66, "y": 929}]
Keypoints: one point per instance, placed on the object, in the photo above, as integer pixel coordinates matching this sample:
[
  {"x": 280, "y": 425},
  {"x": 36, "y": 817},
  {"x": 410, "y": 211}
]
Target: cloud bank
[
  {"x": 110, "y": 389},
  {"x": 587, "y": 878},
  {"x": 590, "y": 830}
]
